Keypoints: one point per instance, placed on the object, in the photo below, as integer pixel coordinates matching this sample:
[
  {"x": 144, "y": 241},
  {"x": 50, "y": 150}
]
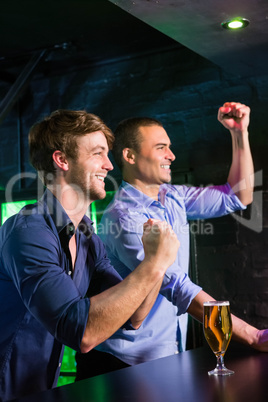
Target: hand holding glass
[{"x": 217, "y": 324}]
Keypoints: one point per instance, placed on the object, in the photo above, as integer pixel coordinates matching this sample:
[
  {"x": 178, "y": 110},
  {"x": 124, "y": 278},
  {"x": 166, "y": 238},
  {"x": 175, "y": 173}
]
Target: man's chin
[
  {"x": 97, "y": 195},
  {"x": 166, "y": 180}
]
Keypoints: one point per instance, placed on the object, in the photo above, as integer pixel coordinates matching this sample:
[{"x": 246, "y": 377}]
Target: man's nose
[
  {"x": 108, "y": 164},
  {"x": 171, "y": 156}
]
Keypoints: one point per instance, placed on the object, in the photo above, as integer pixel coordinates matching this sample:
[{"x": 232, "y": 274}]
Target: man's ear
[
  {"x": 60, "y": 160},
  {"x": 129, "y": 155}
]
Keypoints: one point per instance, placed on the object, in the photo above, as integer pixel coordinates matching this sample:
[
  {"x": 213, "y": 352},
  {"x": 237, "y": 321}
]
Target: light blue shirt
[{"x": 121, "y": 230}]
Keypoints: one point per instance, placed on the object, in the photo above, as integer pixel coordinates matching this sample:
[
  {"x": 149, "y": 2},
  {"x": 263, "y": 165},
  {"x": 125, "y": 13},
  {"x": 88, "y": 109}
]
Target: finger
[
  {"x": 151, "y": 221},
  {"x": 147, "y": 225},
  {"x": 241, "y": 111},
  {"x": 153, "y": 225},
  {"x": 233, "y": 110},
  {"x": 224, "y": 110},
  {"x": 231, "y": 103}
]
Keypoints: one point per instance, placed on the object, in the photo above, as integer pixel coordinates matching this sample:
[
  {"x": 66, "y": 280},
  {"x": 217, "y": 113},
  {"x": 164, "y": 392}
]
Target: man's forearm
[
  {"x": 110, "y": 309},
  {"x": 241, "y": 174},
  {"x": 196, "y": 307},
  {"x": 242, "y": 331},
  {"x": 249, "y": 335},
  {"x": 144, "y": 309}
]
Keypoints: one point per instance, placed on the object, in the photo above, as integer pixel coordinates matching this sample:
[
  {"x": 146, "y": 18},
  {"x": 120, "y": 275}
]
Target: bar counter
[{"x": 181, "y": 378}]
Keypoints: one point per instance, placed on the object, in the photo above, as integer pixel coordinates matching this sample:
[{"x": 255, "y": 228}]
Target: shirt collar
[
  {"x": 60, "y": 217},
  {"x": 138, "y": 197}
]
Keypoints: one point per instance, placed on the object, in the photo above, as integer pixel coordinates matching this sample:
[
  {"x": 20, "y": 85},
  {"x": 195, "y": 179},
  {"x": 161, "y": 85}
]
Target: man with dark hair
[
  {"x": 128, "y": 135},
  {"x": 50, "y": 256},
  {"x": 142, "y": 150}
]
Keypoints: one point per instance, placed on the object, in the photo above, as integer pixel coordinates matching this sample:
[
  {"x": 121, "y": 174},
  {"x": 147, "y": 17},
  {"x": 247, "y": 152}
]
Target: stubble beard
[{"x": 86, "y": 186}]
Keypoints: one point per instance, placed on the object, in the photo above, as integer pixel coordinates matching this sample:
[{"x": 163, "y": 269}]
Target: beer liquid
[{"x": 218, "y": 327}]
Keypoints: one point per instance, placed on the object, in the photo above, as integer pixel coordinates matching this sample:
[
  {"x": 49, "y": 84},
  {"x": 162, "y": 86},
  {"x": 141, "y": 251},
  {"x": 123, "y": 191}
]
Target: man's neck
[
  {"x": 74, "y": 204},
  {"x": 151, "y": 190}
]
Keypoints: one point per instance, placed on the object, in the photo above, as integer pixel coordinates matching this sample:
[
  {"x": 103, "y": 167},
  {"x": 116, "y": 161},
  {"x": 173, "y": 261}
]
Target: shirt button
[
  {"x": 70, "y": 273},
  {"x": 59, "y": 364}
]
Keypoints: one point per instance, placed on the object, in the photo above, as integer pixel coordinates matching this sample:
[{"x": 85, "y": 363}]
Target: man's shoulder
[
  {"x": 29, "y": 222},
  {"x": 121, "y": 203},
  {"x": 121, "y": 217},
  {"x": 28, "y": 215},
  {"x": 116, "y": 210},
  {"x": 174, "y": 190}
]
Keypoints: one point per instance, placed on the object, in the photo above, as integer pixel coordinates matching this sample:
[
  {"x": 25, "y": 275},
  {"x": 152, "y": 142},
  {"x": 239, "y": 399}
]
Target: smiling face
[
  {"x": 88, "y": 170},
  {"x": 151, "y": 166}
]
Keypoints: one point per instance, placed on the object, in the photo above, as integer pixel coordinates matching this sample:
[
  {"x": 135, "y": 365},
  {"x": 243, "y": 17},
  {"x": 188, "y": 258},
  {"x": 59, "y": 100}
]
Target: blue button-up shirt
[
  {"x": 121, "y": 230},
  {"x": 42, "y": 304}
]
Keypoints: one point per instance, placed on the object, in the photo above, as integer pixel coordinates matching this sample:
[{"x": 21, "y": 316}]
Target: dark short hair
[
  {"x": 59, "y": 131},
  {"x": 127, "y": 135}
]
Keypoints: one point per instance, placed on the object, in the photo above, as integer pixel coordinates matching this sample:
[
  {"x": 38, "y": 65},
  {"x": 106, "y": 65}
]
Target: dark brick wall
[{"x": 184, "y": 91}]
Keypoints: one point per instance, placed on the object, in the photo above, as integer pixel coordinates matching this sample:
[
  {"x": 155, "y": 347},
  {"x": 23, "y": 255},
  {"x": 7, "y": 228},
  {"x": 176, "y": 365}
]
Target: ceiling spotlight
[{"x": 235, "y": 23}]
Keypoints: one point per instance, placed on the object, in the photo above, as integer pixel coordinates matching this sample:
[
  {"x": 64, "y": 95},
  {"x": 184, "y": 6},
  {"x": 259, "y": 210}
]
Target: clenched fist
[
  {"x": 160, "y": 243},
  {"x": 234, "y": 116}
]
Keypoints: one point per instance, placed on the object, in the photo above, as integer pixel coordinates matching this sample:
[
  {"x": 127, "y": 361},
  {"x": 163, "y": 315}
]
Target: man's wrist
[{"x": 155, "y": 266}]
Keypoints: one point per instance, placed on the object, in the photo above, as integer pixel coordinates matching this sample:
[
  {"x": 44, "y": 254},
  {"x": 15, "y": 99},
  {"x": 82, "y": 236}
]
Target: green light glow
[
  {"x": 97, "y": 208},
  {"x": 235, "y": 24},
  {"x": 11, "y": 208}
]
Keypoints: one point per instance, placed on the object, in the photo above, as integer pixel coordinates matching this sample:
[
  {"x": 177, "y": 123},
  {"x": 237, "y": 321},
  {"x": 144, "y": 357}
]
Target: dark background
[{"x": 171, "y": 60}]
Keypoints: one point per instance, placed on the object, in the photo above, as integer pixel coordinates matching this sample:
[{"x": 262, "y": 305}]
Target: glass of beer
[{"x": 217, "y": 325}]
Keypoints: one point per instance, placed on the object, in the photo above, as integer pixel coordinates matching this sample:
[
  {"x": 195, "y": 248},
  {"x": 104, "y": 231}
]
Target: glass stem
[{"x": 220, "y": 361}]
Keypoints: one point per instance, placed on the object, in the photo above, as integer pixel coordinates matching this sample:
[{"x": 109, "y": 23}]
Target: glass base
[{"x": 220, "y": 371}]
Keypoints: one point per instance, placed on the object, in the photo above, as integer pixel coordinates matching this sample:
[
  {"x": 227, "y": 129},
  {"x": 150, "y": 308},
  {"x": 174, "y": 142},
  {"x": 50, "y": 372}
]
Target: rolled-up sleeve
[{"x": 179, "y": 290}]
